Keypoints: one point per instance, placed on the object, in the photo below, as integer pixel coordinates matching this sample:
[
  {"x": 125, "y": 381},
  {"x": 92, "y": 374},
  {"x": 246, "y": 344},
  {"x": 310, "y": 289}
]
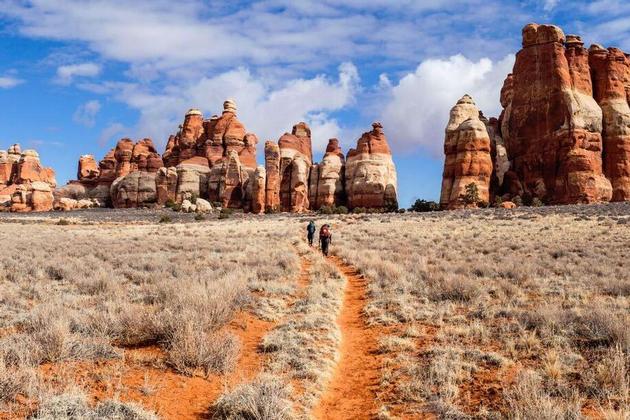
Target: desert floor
[{"x": 521, "y": 314}]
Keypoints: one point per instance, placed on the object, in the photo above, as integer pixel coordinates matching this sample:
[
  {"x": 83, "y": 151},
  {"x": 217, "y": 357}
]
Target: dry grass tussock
[
  {"x": 84, "y": 292},
  {"x": 522, "y": 316}
]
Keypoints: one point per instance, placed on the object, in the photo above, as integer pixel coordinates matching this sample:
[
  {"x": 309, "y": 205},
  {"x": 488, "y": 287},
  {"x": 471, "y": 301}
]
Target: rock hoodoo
[
  {"x": 468, "y": 158},
  {"x": 370, "y": 174},
  {"x": 326, "y": 185},
  {"x": 564, "y": 133},
  {"x": 25, "y": 185}
]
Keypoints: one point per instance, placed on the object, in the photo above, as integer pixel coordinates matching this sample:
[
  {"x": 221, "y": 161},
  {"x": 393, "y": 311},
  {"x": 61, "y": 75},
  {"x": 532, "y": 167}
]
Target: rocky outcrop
[
  {"x": 272, "y": 183},
  {"x": 564, "y": 133},
  {"x": 610, "y": 70},
  {"x": 25, "y": 185},
  {"x": 166, "y": 185},
  {"x": 326, "y": 186},
  {"x": 137, "y": 189},
  {"x": 370, "y": 174},
  {"x": 552, "y": 124},
  {"x": 296, "y": 158},
  {"x": 258, "y": 186},
  {"x": 88, "y": 171},
  {"x": 468, "y": 156},
  {"x": 145, "y": 157},
  {"x": 192, "y": 178}
]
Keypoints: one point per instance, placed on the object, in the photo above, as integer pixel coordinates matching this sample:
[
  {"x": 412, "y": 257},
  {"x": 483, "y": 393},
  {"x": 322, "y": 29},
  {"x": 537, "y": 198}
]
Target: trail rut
[{"x": 351, "y": 393}]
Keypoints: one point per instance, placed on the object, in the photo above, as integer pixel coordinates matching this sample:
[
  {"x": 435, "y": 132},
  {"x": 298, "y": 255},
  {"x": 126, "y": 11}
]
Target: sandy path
[{"x": 351, "y": 393}]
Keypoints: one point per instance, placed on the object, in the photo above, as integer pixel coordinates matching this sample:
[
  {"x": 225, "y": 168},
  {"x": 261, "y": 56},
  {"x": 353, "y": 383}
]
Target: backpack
[{"x": 324, "y": 232}]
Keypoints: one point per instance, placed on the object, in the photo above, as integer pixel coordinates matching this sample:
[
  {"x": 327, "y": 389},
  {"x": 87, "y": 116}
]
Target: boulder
[
  {"x": 137, "y": 189},
  {"x": 203, "y": 206},
  {"x": 188, "y": 206},
  {"x": 508, "y": 205},
  {"x": 467, "y": 156},
  {"x": 29, "y": 169},
  {"x": 370, "y": 174},
  {"x": 65, "y": 204}
]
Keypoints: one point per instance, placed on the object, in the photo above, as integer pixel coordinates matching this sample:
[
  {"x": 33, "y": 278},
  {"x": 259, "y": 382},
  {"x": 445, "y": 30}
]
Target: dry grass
[
  {"x": 523, "y": 304},
  {"x": 88, "y": 292}
]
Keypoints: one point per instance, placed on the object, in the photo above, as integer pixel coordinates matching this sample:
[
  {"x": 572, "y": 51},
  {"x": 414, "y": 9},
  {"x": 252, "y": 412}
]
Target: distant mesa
[
  {"x": 215, "y": 159},
  {"x": 563, "y": 136}
]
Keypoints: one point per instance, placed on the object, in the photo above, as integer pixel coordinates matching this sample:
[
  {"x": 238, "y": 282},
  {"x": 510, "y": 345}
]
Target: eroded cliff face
[{"x": 565, "y": 124}]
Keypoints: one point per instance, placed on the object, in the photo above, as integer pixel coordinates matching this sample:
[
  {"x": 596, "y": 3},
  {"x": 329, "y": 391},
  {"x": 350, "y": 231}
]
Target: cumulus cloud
[
  {"x": 66, "y": 74},
  {"x": 417, "y": 110},
  {"x": 265, "y": 109},
  {"x": 86, "y": 113},
  {"x": 8, "y": 82}
]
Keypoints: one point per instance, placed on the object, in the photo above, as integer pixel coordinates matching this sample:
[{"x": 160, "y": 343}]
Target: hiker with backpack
[
  {"x": 325, "y": 238},
  {"x": 310, "y": 231}
]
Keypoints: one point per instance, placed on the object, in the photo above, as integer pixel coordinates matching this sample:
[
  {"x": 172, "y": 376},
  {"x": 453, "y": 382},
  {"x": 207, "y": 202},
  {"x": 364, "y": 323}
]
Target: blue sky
[{"x": 75, "y": 76}]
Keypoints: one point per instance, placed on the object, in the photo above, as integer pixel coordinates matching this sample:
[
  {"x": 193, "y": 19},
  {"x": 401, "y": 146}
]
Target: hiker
[
  {"x": 310, "y": 230},
  {"x": 325, "y": 238}
]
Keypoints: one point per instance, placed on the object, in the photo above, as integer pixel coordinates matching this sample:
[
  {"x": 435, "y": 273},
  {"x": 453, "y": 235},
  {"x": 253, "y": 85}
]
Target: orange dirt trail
[{"x": 351, "y": 393}]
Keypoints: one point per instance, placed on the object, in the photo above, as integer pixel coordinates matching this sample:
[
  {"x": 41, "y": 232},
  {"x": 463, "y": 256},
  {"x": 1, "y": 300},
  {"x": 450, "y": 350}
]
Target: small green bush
[
  {"x": 402, "y": 211},
  {"x": 63, "y": 222},
  {"x": 341, "y": 210},
  {"x": 200, "y": 217},
  {"x": 498, "y": 201},
  {"x": 471, "y": 196},
  {"x": 170, "y": 204},
  {"x": 518, "y": 201},
  {"x": 537, "y": 202},
  {"x": 359, "y": 210},
  {"x": 422, "y": 206},
  {"x": 165, "y": 219}
]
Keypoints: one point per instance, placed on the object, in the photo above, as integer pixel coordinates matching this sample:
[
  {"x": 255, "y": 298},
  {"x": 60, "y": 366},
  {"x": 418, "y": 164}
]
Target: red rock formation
[
  {"x": 326, "y": 185},
  {"x": 25, "y": 185},
  {"x": 296, "y": 158},
  {"x": 272, "y": 184},
  {"x": 123, "y": 153},
  {"x": 258, "y": 185},
  {"x": 136, "y": 189},
  {"x": 611, "y": 75},
  {"x": 192, "y": 178},
  {"x": 88, "y": 171},
  {"x": 227, "y": 181},
  {"x": 551, "y": 124},
  {"x": 468, "y": 159},
  {"x": 145, "y": 157},
  {"x": 370, "y": 174},
  {"x": 166, "y": 185}
]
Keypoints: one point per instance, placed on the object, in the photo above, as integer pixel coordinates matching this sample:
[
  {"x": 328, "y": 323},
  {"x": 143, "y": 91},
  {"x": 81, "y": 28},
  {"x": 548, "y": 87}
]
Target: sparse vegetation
[{"x": 422, "y": 206}]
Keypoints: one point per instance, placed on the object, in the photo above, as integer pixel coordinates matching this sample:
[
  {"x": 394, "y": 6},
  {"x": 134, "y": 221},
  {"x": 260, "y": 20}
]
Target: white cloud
[
  {"x": 549, "y": 5},
  {"x": 66, "y": 74},
  {"x": 265, "y": 109},
  {"x": 86, "y": 113},
  {"x": 110, "y": 133},
  {"x": 418, "y": 107},
  {"x": 8, "y": 82}
]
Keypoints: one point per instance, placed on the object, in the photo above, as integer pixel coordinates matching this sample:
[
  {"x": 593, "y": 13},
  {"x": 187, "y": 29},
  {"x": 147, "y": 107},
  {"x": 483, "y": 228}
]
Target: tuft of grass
[{"x": 265, "y": 398}]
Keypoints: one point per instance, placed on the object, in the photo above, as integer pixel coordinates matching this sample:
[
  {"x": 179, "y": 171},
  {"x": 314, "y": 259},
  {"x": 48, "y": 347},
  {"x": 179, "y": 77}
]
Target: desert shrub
[
  {"x": 190, "y": 349},
  {"x": 170, "y": 203},
  {"x": 193, "y": 198},
  {"x": 200, "y": 217},
  {"x": 225, "y": 213},
  {"x": 75, "y": 405},
  {"x": 165, "y": 219},
  {"x": 325, "y": 210},
  {"x": 14, "y": 380},
  {"x": 421, "y": 206},
  {"x": 537, "y": 202},
  {"x": 63, "y": 222},
  {"x": 518, "y": 201},
  {"x": 402, "y": 211},
  {"x": 598, "y": 326},
  {"x": 498, "y": 200},
  {"x": 528, "y": 399},
  {"x": 266, "y": 398},
  {"x": 341, "y": 210},
  {"x": 460, "y": 289},
  {"x": 471, "y": 194},
  {"x": 359, "y": 210},
  {"x": 610, "y": 378}
]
